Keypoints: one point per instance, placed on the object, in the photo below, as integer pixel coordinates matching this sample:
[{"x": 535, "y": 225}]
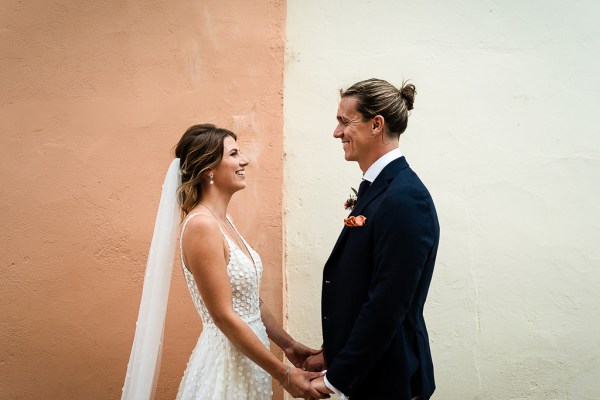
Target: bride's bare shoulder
[{"x": 200, "y": 224}]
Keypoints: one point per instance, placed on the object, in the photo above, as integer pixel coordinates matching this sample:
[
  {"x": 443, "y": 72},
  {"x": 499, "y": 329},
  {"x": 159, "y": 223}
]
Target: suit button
[
  {"x": 326, "y": 318},
  {"x": 328, "y": 282}
]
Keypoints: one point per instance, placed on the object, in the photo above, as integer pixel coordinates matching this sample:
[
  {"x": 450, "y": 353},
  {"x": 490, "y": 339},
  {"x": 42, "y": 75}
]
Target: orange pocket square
[{"x": 359, "y": 220}]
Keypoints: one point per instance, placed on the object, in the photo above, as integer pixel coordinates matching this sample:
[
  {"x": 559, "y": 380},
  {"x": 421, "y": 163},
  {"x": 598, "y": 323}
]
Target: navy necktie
[{"x": 364, "y": 186}]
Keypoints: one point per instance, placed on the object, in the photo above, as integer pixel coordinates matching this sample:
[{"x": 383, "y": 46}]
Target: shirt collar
[{"x": 376, "y": 168}]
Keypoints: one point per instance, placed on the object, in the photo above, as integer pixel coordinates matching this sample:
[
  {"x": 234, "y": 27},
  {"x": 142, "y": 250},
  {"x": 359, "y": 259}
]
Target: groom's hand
[
  {"x": 298, "y": 383},
  {"x": 315, "y": 362},
  {"x": 298, "y": 353},
  {"x": 319, "y": 384}
]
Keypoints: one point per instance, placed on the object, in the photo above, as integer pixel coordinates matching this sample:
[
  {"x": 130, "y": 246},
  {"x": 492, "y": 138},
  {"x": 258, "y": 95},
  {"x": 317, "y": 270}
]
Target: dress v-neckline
[
  {"x": 249, "y": 256},
  {"x": 232, "y": 242}
]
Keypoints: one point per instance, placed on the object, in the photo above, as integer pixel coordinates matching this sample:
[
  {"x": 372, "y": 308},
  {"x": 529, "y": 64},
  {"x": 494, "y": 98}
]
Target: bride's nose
[{"x": 244, "y": 161}]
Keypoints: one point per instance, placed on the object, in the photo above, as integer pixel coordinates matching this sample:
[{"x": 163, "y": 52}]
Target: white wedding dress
[{"x": 216, "y": 369}]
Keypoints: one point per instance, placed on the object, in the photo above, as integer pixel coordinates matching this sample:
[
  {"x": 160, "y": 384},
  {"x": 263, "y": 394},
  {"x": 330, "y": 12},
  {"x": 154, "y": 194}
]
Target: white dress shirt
[
  {"x": 378, "y": 166},
  {"x": 370, "y": 175}
]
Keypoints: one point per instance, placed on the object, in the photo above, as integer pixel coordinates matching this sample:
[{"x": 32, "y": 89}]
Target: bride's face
[{"x": 230, "y": 174}]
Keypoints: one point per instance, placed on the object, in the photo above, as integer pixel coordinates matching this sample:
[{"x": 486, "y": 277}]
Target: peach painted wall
[{"x": 94, "y": 97}]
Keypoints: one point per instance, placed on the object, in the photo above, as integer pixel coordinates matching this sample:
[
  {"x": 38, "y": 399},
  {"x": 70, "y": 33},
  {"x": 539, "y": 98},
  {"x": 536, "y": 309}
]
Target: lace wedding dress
[{"x": 216, "y": 370}]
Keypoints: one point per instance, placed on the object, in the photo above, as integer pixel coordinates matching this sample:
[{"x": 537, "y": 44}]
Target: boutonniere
[
  {"x": 351, "y": 202},
  {"x": 353, "y": 221}
]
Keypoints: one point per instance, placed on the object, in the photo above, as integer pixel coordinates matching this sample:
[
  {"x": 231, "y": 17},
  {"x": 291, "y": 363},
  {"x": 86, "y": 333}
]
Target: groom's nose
[{"x": 338, "y": 132}]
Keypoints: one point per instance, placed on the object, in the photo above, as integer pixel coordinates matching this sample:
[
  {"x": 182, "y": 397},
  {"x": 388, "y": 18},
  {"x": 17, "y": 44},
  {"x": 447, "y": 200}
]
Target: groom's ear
[{"x": 378, "y": 122}]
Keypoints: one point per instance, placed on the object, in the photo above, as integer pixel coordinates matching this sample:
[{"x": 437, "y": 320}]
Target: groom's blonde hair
[{"x": 379, "y": 97}]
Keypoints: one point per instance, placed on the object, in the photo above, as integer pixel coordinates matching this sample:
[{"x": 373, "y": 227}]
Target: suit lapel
[{"x": 377, "y": 188}]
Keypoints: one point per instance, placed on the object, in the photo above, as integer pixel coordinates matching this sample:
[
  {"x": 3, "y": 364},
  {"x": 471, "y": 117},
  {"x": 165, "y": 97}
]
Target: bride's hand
[
  {"x": 298, "y": 384},
  {"x": 298, "y": 353}
]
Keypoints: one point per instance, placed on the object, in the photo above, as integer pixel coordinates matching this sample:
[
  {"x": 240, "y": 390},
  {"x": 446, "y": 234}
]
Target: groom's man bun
[{"x": 379, "y": 97}]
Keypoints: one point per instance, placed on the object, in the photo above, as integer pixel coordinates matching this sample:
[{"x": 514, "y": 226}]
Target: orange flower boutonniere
[
  {"x": 351, "y": 202},
  {"x": 359, "y": 220}
]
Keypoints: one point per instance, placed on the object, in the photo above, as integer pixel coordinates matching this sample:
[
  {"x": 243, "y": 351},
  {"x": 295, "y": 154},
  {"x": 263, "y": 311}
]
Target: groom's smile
[{"x": 355, "y": 133}]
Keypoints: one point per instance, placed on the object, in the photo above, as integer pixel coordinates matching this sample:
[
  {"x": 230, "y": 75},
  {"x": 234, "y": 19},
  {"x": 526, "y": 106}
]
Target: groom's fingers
[
  {"x": 314, "y": 363},
  {"x": 319, "y": 384},
  {"x": 314, "y": 375}
]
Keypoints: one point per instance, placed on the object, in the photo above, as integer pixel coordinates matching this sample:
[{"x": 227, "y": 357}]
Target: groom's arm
[{"x": 404, "y": 237}]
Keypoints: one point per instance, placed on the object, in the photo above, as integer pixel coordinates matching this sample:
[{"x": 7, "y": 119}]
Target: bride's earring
[{"x": 212, "y": 179}]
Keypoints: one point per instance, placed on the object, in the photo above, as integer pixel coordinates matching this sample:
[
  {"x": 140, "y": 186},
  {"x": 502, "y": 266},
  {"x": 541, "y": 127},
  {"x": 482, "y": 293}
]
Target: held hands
[
  {"x": 298, "y": 354},
  {"x": 299, "y": 384},
  {"x": 306, "y": 380},
  {"x": 315, "y": 362},
  {"x": 319, "y": 384}
]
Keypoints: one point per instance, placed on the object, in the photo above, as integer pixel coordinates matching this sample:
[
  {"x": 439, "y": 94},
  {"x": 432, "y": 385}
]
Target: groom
[{"x": 376, "y": 279}]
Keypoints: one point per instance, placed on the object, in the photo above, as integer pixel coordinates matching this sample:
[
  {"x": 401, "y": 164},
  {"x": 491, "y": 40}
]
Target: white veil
[{"x": 144, "y": 361}]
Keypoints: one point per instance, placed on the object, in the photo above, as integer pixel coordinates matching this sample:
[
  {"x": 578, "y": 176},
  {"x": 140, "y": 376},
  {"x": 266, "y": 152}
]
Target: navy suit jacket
[{"x": 374, "y": 287}]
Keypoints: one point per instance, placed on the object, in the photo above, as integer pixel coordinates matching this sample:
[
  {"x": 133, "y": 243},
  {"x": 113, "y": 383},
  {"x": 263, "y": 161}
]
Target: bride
[{"x": 232, "y": 359}]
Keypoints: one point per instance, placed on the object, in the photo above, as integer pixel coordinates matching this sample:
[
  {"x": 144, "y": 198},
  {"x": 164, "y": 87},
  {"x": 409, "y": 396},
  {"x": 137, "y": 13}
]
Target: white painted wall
[{"x": 505, "y": 135}]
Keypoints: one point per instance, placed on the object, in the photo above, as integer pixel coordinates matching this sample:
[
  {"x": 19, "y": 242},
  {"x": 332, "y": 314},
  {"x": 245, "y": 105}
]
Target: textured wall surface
[
  {"x": 94, "y": 97},
  {"x": 505, "y": 135}
]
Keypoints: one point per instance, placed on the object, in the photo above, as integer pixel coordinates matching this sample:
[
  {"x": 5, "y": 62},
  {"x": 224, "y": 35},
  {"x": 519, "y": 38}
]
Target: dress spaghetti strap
[{"x": 188, "y": 218}]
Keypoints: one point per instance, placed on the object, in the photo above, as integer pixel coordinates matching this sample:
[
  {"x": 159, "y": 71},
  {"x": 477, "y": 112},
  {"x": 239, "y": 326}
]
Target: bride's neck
[{"x": 217, "y": 204}]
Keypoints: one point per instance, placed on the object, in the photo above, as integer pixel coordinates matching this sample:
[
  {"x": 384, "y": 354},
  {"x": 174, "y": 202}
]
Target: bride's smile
[{"x": 230, "y": 174}]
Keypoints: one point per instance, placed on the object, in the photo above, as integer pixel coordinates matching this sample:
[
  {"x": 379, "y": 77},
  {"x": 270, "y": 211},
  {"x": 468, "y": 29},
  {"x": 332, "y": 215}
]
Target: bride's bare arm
[
  {"x": 203, "y": 247},
  {"x": 295, "y": 351}
]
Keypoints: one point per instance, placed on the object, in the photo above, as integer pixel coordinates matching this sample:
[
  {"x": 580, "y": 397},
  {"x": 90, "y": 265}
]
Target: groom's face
[{"x": 356, "y": 135}]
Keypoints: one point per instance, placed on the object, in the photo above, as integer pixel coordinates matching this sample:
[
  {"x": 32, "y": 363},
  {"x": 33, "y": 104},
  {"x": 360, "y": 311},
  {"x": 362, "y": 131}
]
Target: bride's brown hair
[{"x": 200, "y": 149}]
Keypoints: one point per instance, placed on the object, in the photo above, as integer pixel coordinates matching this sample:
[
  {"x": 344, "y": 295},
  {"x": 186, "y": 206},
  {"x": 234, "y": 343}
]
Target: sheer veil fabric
[{"x": 144, "y": 361}]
